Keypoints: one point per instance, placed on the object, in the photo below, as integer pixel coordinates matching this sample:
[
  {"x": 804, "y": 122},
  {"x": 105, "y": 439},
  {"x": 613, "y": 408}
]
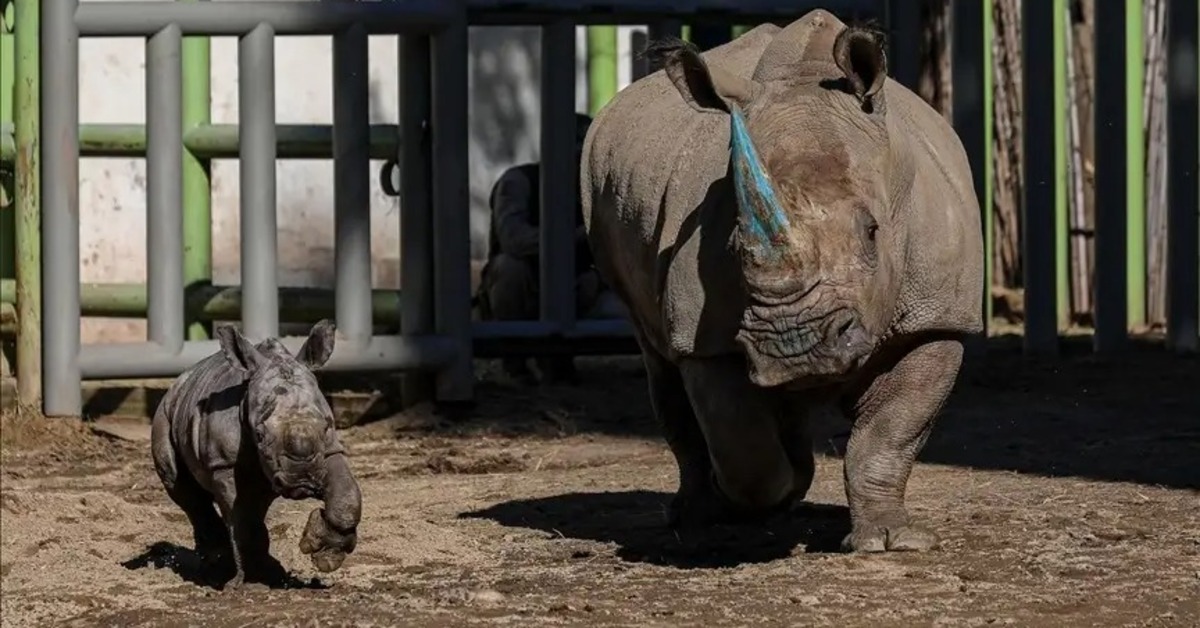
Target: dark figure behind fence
[{"x": 508, "y": 286}]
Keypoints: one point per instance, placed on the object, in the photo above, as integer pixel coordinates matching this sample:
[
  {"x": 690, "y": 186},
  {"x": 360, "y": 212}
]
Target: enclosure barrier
[
  {"x": 435, "y": 329},
  {"x": 435, "y": 325}
]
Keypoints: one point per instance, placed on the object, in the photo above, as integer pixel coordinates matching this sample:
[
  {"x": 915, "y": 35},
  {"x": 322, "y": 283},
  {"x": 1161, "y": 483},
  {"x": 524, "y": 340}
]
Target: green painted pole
[
  {"x": 1135, "y": 164},
  {"x": 989, "y": 209},
  {"x": 7, "y": 64},
  {"x": 602, "y": 66},
  {"x": 28, "y": 204},
  {"x": 197, "y": 189},
  {"x": 1061, "y": 221},
  {"x": 8, "y": 151}
]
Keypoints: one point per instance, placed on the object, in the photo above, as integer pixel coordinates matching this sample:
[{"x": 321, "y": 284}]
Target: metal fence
[{"x": 436, "y": 332}]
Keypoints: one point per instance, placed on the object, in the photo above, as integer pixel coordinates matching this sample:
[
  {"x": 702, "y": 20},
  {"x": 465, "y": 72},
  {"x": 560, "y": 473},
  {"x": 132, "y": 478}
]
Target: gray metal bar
[
  {"x": 256, "y": 115},
  {"x": 139, "y": 19},
  {"x": 1183, "y": 177},
  {"x": 451, "y": 203},
  {"x": 904, "y": 37},
  {"x": 967, "y": 48},
  {"x": 416, "y": 215},
  {"x": 584, "y": 328},
  {"x": 352, "y": 184},
  {"x": 380, "y": 353},
  {"x": 1037, "y": 224},
  {"x": 61, "y": 393},
  {"x": 164, "y": 189},
  {"x": 543, "y": 12},
  {"x": 559, "y": 179},
  {"x": 1111, "y": 310}
]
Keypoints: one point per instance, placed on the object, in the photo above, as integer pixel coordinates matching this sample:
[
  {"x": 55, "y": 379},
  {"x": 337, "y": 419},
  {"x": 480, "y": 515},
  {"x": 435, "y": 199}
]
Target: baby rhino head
[{"x": 284, "y": 409}]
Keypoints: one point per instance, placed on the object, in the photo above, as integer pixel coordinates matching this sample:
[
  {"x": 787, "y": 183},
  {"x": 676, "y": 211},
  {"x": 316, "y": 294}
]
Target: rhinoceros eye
[{"x": 872, "y": 229}]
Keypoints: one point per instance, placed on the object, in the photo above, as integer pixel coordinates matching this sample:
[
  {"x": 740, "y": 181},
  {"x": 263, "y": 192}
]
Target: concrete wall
[{"x": 504, "y": 115}]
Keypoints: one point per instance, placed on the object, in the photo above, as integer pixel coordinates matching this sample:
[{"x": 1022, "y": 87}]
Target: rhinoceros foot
[{"x": 889, "y": 534}]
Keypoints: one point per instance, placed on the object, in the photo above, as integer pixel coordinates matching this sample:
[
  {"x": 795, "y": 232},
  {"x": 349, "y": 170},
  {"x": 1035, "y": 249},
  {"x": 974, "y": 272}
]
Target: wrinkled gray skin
[
  {"x": 860, "y": 301},
  {"x": 247, "y": 425}
]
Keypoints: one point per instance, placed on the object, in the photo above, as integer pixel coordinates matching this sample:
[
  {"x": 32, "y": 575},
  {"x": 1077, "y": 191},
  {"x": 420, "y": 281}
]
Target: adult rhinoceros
[{"x": 786, "y": 225}]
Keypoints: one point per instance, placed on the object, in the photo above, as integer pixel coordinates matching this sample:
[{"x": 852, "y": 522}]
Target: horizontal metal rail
[
  {"x": 636, "y": 12},
  {"x": 139, "y": 19},
  {"x": 220, "y": 141},
  {"x": 132, "y": 19},
  {"x": 147, "y": 359}
]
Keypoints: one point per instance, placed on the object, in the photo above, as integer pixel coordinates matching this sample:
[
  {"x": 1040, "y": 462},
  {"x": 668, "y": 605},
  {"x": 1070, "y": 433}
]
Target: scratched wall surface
[{"x": 504, "y": 114}]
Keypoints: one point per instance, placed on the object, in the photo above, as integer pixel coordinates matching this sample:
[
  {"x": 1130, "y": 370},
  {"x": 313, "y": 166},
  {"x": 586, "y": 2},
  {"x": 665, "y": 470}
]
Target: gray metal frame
[{"x": 437, "y": 333}]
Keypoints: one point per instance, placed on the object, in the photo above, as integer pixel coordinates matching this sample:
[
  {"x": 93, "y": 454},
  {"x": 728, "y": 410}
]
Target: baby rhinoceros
[{"x": 242, "y": 427}]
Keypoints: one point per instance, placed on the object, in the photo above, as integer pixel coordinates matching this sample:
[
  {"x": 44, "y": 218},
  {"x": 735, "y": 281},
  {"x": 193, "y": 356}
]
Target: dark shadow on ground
[
  {"x": 1128, "y": 418},
  {"x": 189, "y": 566},
  {"x": 635, "y": 521},
  {"x": 1132, "y": 418}
]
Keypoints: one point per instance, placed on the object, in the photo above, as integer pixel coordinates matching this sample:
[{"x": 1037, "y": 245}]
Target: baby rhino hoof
[
  {"x": 900, "y": 538},
  {"x": 326, "y": 547}
]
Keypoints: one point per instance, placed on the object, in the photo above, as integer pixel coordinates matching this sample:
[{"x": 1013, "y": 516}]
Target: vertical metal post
[
  {"x": 987, "y": 203},
  {"x": 197, "y": 189},
  {"x": 451, "y": 215},
  {"x": 256, "y": 155},
  {"x": 1135, "y": 167},
  {"x": 1039, "y": 206},
  {"x": 1183, "y": 176},
  {"x": 416, "y": 198},
  {"x": 27, "y": 192},
  {"x": 559, "y": 180},
  {"x": 1111, "y": 183},
  {"x": 602, "y": 66},
  {"x": 970, "y": 40},
  {"x": 62, "y": 395},
  {"x": 351, "y": 184},
  {"x": 904, "y": 28},
  {"x": 709, "y": 35},
  {"x": 164, "y": 188},
  {"x": 1062, "y": 222}
]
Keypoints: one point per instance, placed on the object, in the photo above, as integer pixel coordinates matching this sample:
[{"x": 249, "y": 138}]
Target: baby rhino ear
[
  {"x": 319, "y": 346},
  {"x": 238, "y": 351}
]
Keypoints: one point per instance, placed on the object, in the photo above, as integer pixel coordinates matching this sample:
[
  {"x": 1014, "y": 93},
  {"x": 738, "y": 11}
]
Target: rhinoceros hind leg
[
  {"x": 696, "y": 503},
  {"x": 893, "y": 415},
  {"x": 740, "y": 422}
]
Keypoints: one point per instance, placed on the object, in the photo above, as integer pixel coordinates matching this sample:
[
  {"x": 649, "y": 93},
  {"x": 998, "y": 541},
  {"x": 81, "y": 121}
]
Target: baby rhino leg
[{"x": 740, "y": 423}]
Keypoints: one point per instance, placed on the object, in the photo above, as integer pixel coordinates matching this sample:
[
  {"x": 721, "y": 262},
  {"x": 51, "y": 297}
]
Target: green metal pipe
[
  {"x": 1135, "y": 164},
  {"x": 28, "y": 203},
  {"x": 602, "y": 66},
  {"x": 8, "y": 143},
  {"x": 988, "y": 201},
  {"x": 208, "y": 303},
  {"x": 220, "y": 141},
  {"x": 7, "y": 66},
  {"x": 1061, "y": 220},
  {"x": 197, "y": 189}
]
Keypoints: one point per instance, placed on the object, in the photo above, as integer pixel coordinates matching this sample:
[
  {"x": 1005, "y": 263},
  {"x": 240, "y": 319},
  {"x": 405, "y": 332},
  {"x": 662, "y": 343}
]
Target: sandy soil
[{"x": 1068, "y": 494}]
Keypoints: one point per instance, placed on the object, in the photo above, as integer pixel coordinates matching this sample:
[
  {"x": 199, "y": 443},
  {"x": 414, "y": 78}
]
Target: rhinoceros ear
[
  {"x": 859, "y": 53},
  {"x": 704, "y": 87},
  {"x": 238, "y": 351},
  {"x": 319, "y": 346}
]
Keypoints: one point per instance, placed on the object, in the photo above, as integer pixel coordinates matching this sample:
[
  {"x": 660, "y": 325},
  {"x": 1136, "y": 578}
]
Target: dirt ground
[{"x": 1067, "y": 494}]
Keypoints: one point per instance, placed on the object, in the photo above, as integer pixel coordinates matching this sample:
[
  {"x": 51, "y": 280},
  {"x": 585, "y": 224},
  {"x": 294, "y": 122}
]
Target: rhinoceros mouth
[{"x": 810, "y": 352}]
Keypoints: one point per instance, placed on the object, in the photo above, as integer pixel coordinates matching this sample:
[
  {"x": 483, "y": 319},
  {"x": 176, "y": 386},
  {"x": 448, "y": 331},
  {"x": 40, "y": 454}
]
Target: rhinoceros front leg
[
  {"x": 695, "y": 503},
  {"x": 893, "y": 416},
  {"x": 741, "y": 425}
]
